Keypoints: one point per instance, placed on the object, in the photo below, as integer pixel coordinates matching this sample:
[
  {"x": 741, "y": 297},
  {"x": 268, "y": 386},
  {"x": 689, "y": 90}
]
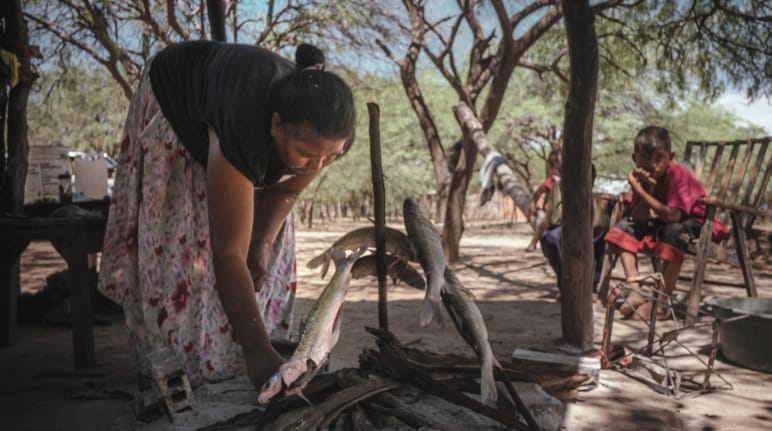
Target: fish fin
[
  {"x": 335, "y": 334},
  {"x": 318, "y": 260},
  {"x": 325, "y": 266},
  {"x": 488, "y": 392},
  {"x": 304, "y": 398},
  {"x": 497, "y": 364},
  {"x": 430, "y": 310}
]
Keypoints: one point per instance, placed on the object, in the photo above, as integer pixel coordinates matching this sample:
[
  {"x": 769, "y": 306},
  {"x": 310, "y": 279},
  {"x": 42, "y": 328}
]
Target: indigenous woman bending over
[{"x": 209, "y": 125}]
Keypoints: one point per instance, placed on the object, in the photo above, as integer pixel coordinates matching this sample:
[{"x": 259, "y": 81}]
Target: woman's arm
[
  {"x": 271, "y": 210},
  {"x": 230, "y": 202}
]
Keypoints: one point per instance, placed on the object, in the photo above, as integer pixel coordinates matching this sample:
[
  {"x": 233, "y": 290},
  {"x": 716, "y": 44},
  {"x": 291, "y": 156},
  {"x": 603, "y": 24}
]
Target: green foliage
[
  {"x": 82, "y": 109},
  {"x": 407, "y": 170}
]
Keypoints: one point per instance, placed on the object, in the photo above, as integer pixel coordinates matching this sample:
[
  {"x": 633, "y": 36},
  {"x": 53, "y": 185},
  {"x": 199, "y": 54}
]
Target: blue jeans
[{"x": 550, "y": 247}]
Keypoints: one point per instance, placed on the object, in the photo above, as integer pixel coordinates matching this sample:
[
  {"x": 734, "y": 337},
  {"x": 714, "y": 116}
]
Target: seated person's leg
[
  {"x": 550, "y": 247},
  {"x": 674, "y": 241},
  {"x": 541, "y": 227},
  {"x": 598, "y": 249},
  {"x": 625, "y": 239}
]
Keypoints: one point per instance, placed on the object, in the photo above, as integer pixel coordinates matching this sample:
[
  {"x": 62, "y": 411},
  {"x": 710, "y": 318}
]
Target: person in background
[
  {"x": 200, "y": 265},
  {"x": 535, "y": 214},
  {"x": 602, "y": 207},
  {"x": 665, "y": 217}
]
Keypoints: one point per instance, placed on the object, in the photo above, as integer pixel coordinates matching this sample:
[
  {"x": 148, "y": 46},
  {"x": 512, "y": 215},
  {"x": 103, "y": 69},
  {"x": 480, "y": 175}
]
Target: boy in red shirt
[{"x": 666, "y": 216}]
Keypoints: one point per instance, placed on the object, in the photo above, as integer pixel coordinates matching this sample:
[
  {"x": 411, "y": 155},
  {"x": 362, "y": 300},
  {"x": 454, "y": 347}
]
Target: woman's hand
[{"x": 262, "y": 363}]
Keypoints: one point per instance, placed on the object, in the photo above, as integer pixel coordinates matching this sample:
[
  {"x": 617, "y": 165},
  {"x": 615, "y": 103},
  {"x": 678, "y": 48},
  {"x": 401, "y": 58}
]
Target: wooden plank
[
  {"x": 726, "y": 177},
  {"x": 742, "y": 254},
  {"x": 740, "y": 175},
  {"x": 700, "y": 164},
  {"x": 687, "y": 160},
  {"x": 757, "y": 167},
  {"x": 693, "y": 304},
  {"x": 558, "y": 362},
  {"x": 725, "y": 205},
  {"x": 714, "y": 168}
]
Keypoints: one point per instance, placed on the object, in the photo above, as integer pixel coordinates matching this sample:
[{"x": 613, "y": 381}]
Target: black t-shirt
[{"x": 225, "y": 86}]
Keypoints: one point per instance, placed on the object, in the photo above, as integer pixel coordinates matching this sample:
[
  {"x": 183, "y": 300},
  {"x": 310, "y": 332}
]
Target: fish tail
[
  {"x": 318, "y": 260},
  {"x": 488, "y": 392}
]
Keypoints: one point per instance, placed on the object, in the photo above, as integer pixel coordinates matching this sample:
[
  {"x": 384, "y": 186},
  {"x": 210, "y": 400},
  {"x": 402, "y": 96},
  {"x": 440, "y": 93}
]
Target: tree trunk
[
  {"x": 16, "y": 40},
  {"x": 576, "y": 183},
  {"x": 510, "y": 183},
  {"x": 453, "y": 228}
]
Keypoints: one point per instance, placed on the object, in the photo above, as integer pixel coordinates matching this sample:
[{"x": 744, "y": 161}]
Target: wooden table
[{"x": 74, "y": 238}]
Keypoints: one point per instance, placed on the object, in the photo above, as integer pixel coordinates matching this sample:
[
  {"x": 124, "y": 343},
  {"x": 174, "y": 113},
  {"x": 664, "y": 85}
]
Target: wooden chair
[
  {"x": 735, "y": 186},
  {"x": 734, "y": 192}
]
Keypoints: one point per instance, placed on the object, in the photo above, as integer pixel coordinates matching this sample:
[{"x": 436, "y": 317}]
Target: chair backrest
[{"x": 735, "y": 173}]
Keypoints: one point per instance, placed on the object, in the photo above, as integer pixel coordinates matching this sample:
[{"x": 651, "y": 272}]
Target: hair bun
[{"x": 308, "y": 55}]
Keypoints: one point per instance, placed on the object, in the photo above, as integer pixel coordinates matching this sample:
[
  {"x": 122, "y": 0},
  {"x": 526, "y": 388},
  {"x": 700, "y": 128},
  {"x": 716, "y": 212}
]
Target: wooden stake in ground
[{"x": 379, "y": 206}]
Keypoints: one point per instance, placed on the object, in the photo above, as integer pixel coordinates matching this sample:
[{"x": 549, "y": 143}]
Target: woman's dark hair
[
  {"x": 314, "y": 98},
  {"x": 652, "y": 139}
]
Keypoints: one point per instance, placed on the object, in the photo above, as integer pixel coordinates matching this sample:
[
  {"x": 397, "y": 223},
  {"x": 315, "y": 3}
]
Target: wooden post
[
  {"x": 216, "y": 12},
  {"x": 576, "y": 185},
  {"x": 379, "y": 207}
]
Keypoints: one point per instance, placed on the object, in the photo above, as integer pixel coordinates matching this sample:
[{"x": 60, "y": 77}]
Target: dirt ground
[{"x": 515, "y": 291}]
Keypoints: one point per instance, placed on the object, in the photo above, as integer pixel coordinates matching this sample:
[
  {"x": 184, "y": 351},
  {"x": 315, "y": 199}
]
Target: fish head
[
  {"x": 278, "y": 384},
  {"x": 270, "y": 389},
  {"x": 301, "y": 380}
]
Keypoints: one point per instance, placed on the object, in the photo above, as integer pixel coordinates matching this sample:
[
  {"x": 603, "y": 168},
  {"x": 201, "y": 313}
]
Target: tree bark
[
  {"x": 511, "y": 185},
  {"x": 16, "y": 40},
  {"x": 576, "y": 185}
]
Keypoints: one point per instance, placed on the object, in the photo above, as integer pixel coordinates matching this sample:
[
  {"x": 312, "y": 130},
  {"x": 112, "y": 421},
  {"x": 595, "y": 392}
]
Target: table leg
[
  {"x": 10, "y": 286},
  {"x": 79, "y": 284}
]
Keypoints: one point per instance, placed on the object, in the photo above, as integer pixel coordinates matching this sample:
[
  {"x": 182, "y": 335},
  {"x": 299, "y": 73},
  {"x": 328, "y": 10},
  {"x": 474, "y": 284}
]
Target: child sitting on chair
[{"x": 665, "y": 217}]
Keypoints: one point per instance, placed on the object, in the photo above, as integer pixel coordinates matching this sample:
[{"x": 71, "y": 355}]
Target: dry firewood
[
  {"x": 450, "y": 366},
  {"x": 397, "y": 364},
  {"x": 390, "y": 405},
  {"x": 317, "y": 390},
  {"x": 359, "y": 421},
  {"x": 324, "y": 413}
]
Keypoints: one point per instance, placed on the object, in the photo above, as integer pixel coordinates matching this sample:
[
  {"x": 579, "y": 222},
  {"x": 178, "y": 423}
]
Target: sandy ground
[{"x": 515, "y": 291}]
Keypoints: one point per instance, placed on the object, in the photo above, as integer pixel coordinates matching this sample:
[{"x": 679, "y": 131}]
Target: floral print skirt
[{"x": 156, "y": 258}]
